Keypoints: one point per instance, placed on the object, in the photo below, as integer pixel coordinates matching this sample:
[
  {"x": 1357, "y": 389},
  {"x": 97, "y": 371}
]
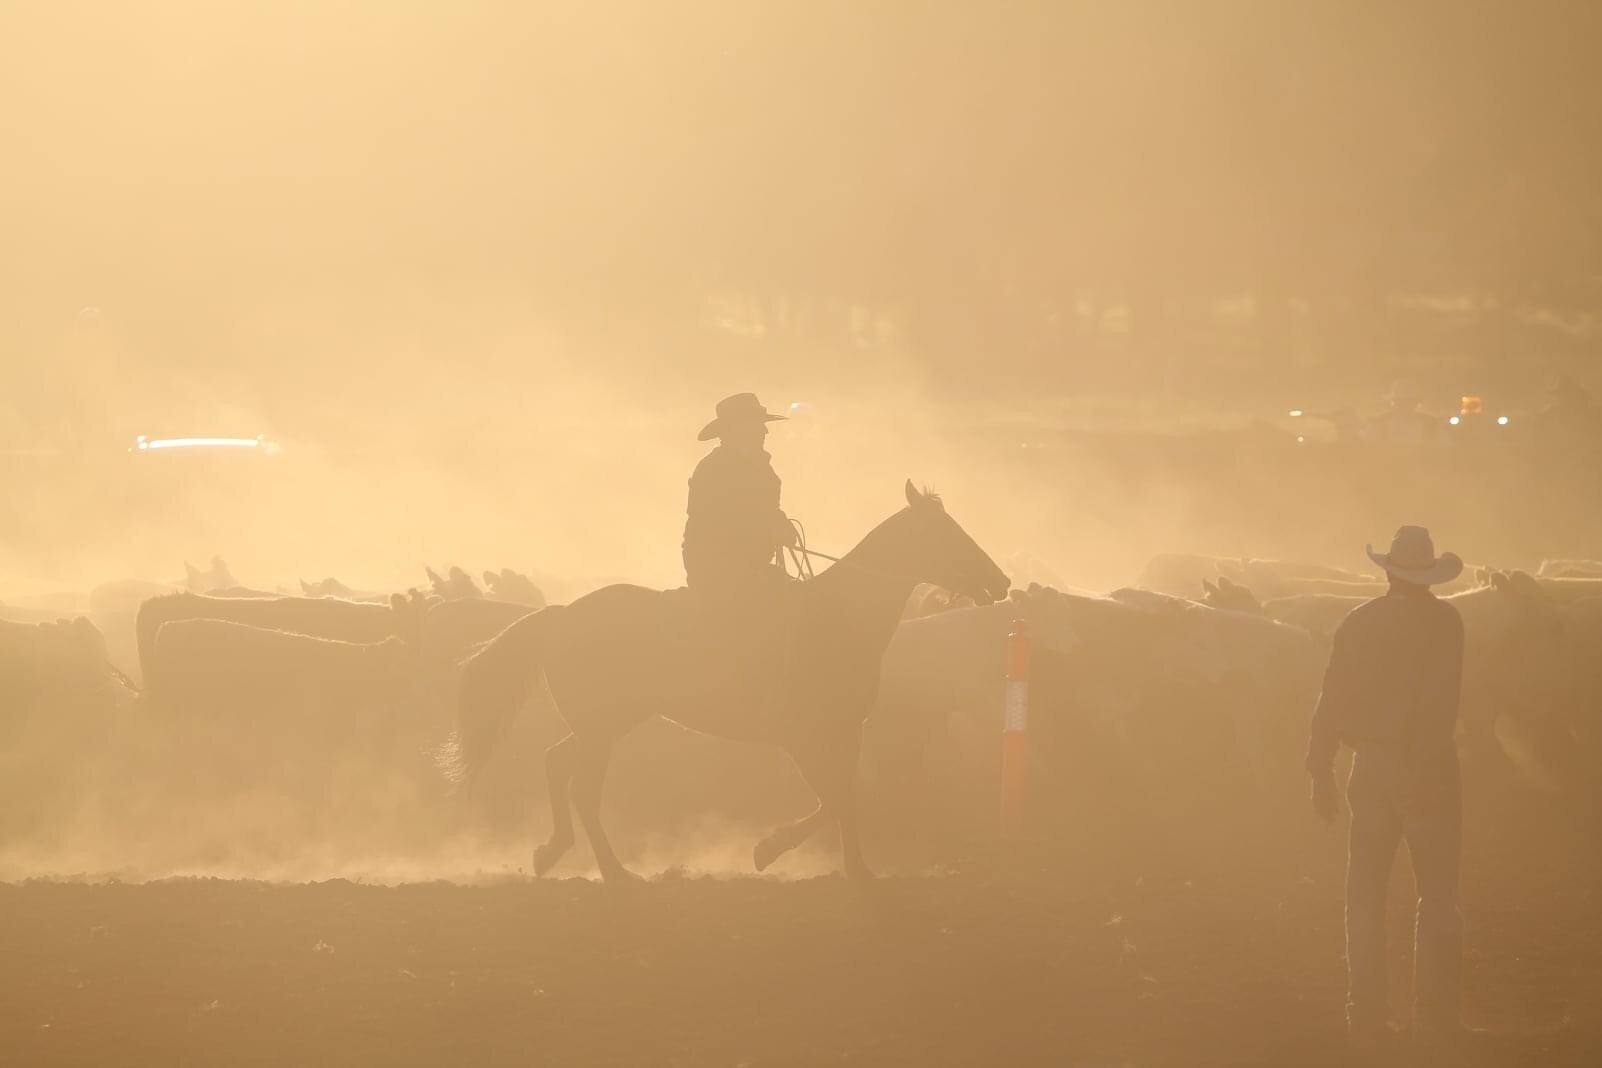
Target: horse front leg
[
  {"x": 831, "y": 770},
  {"x": 589, "y": 776}
]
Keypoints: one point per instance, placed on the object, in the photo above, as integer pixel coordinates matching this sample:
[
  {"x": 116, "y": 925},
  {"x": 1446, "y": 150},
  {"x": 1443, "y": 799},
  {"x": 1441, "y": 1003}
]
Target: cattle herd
[{"x": 1201, "y": 676}]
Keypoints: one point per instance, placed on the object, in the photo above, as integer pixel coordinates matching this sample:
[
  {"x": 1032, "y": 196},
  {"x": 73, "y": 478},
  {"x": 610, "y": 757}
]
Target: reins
[{"x": 801, "y": 559}]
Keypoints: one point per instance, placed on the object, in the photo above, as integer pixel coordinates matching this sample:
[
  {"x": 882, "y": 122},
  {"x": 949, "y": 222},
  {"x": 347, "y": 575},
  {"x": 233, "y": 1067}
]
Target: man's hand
[
  {"x": 1326, "y": 800},
  {"x": 788, "y": 537}
]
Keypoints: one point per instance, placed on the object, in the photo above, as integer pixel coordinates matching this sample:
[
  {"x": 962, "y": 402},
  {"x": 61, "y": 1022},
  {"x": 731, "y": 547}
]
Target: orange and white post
[{"x": 1015, "y": 731}]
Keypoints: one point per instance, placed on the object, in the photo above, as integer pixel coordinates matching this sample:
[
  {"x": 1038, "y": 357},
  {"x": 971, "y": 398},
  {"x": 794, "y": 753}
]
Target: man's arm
[
  {"x": 1329, "y": 718},
  {"x": 1334, "y": 701}
]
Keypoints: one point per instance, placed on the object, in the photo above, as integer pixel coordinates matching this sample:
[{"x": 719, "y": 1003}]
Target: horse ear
[{"x": 914, "y": 498}]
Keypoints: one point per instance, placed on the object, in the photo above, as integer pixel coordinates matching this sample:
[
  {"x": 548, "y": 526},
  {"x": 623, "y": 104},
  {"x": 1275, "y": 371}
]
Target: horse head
[{"x": 940, "y": 552}]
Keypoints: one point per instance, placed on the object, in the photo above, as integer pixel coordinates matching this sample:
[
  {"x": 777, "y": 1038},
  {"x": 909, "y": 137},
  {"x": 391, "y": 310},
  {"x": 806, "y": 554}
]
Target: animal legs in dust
[
  {"x": 589, "y": 776},
  {"x": 786, "y": 838},
  {"x": 559, "y": 767},
  {"x": 831, "y": 771}
]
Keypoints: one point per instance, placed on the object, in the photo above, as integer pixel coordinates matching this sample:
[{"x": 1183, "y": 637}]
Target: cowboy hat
[
  {"x": 1412, "y": 559},
  {"x": 742, "y": 408}
]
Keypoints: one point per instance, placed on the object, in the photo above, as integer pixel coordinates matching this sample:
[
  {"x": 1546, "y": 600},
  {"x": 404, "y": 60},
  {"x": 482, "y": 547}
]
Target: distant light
[
  {"x": 1300, "y": 439},
  {"x": 1295, "y": 413},
  {"x": 146, "y": 444},
  {"x": 1501, "y": 420},
  {"x": 1454, "y": 420}
]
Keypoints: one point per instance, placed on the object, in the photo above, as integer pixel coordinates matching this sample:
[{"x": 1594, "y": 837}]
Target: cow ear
[
  {"x": 305, "y": 588},
  {"x": 1498, "y": 580},
  {"x": 1208, "y": 587},
  {"x": 489, "y": 578},
  {"x": 914, "y": 498},
  {"x": 433, "y": 576}
]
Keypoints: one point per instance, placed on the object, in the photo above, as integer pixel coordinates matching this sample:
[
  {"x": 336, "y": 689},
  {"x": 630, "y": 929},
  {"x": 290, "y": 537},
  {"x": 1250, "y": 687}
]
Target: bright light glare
[
  {"x": 199, "y": 443},
  {"x": 1295, "y": 413},
  {"x": 1454, "y": 420},
  {"x": 1501, "y": 420}
]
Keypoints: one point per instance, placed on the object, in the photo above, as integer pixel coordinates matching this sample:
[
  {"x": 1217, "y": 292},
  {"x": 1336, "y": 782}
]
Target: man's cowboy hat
[
  {"x": 740, "y": 409},
  {"x": 1412, "y": 559}
]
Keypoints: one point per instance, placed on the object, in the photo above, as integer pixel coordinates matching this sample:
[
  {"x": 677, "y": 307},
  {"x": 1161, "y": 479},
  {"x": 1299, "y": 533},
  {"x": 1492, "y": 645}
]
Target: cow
[
  {"x": 346, "y": 621},
  {"x": 458, "y": 586},
  {"x": 27, "y": 614},
  {"x": 216, "y": 577},
  {"x": 513, "y": 587},
  {"x": 63, "y": 658},
  {"x": 1178, "y": 574},
  {"x": 1168, "y": 690},
  {"x": 257, "y": 703},
  {"x": 332, "y": 587},
  {"x": 1569, "y": 569},
  {"x": 206, "y": 666},
  {"x": 1564, "y": 589},
  {"x": 1317, "y": 613},
  {"x": 62, "y": 707}
]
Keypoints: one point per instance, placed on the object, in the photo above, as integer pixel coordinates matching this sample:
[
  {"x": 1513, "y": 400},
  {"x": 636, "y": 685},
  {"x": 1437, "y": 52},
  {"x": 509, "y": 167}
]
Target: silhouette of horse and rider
[{"x": 742, "y": 652}]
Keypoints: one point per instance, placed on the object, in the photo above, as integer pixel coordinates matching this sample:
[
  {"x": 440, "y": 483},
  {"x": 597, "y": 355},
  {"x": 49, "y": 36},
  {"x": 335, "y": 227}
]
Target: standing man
[
  {"x": 735, "y": 527},
  {"x": 1391, "y": 694}
]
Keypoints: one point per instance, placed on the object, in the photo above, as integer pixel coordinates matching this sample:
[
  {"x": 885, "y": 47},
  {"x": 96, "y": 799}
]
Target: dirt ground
[{"x": 1074, "y": 952}]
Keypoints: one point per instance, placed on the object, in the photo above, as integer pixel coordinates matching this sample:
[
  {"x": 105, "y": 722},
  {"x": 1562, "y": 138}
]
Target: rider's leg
[{"x": 559, "y": 766}]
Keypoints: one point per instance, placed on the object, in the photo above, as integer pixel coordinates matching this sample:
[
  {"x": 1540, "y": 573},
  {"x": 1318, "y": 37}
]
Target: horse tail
[{"x": 493, "y": 683}]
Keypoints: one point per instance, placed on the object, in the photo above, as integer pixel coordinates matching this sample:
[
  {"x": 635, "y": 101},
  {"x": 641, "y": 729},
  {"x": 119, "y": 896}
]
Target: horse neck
[{"x": 868, "y": 589}]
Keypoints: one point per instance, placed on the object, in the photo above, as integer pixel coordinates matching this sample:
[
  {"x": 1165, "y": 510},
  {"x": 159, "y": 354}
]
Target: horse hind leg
[
  {"x": 559, "y": 767},
  {"x": 589, "y": 778}
]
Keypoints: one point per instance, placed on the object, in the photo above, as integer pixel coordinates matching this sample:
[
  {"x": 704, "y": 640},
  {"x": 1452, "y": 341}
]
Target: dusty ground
[{"x": 1217, "y": 954}]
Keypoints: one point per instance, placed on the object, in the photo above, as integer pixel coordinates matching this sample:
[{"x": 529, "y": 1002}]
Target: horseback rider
[{"x": 735, "y": 528}]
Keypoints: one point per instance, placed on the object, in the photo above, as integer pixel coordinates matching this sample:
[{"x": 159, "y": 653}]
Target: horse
[{"x": 618, "y": 656}]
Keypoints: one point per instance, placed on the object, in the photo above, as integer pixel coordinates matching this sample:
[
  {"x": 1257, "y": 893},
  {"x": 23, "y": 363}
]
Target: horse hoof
[
  {"x": 621, "y": 877},
  {"x": 764, "y": 854},
  {"x": 546, "y": 856}
]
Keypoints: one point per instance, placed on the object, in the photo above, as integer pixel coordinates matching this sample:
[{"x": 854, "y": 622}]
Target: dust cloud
[{"x": 1254, "y": 284}]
